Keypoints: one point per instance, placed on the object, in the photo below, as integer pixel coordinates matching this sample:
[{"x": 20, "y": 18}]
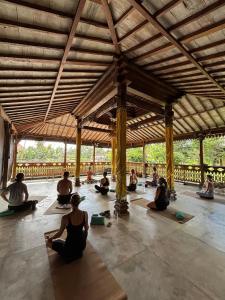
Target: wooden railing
[
  {"x": 49, "y": 170},
  {"x": 184, "y": 173}
]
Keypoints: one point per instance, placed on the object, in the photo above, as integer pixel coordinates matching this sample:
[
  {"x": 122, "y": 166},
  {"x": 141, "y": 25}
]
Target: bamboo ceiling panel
[{"x": 54, "y": 53}]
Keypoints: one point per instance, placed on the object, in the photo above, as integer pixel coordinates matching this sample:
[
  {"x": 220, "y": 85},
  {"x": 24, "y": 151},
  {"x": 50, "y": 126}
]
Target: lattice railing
[
  {"x": 184, "y": 173},
  {"x": 48, "y": 170}
]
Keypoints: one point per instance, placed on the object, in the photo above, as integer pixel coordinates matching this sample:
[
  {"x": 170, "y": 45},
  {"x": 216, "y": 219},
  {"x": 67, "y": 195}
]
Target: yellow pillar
[
  {"x": 6, "y": 153},
  {"x": 78, "y": 152},
  {"x": 93, "y": 159},
  {"x": 65, "y": 155},
  {"x": 121, "y": 205},
  {"x": 14, "y": 159},
  {"x": 169, "y": 150},
  {"x": 201, "y": 159},
  {"x": 144, "y": 162},
  {"x": 113, "y": 143}
]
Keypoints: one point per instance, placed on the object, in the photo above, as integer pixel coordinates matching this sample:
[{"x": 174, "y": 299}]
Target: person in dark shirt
[
  {"x": 161, "y": 198},
  {"x": 104, "y": 185},
  {"x": 76, "y": 224}
]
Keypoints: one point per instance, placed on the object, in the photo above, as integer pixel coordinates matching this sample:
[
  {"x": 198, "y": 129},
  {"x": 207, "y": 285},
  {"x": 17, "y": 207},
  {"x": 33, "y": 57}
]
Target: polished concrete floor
[{"x": 153, "y": 258}]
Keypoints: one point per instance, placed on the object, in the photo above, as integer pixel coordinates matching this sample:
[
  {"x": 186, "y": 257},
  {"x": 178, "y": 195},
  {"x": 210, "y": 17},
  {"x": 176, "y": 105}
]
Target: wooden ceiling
[{"x": 60, "y": 57}]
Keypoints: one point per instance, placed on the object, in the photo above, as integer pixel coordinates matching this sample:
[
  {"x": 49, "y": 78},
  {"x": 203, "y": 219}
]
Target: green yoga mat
[{"x": 6, "y": 213}]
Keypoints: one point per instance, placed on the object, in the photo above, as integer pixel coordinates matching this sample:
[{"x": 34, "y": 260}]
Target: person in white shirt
[{"x": 18, "y": 195}]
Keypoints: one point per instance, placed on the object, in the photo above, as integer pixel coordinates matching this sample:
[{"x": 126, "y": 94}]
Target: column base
[
  {"x": 172, "y": 195},
  {"x": 77, "y": 182},
  {"x": 121, "y": 208}
]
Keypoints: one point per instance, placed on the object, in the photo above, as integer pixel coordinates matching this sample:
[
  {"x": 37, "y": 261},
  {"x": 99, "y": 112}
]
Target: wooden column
[
  {"x": 93, "y": 159},
  {"x": 16, "y": 141},
  {"x": 144, "y": 161},
  {"x": 78, "y": 152},
  {"x": 113, "y": 143},
  {"x": 6, "y": 154},
  {"x": 169, "y": 150},
  {"x": 201, "y": 158},
  {"x": 65, "y": 155},
  {"x": 121, "y": 205}
]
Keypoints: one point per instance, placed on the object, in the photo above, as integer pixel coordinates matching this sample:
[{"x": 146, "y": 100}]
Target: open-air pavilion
[{"x": 117, "y": 74}]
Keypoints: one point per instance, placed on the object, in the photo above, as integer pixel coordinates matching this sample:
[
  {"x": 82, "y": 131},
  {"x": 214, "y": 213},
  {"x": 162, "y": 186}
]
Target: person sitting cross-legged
[
  {"x": 18, "y": 195},
  {"x": 104, "y": 185},
  {"x": 155, "y": 178},
  {"x": 133, "y": 182},
  {"x": 89, "y": 176},
  {"x": 64, "y": 188},
  {"x": 207, "y": 191},
  {"x": 76, "y": 224},
  {"x": 161, "y": 198}
]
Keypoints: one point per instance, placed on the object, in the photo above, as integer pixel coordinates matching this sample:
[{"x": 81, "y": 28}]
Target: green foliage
[
  {"x": 135, "y": 154},
  {"x": 42, "y": 152},
  {"x": 185, "y": 152}
]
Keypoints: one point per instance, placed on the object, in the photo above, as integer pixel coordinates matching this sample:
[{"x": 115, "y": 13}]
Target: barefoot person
[
  {"x": 18, "y": 195},
  {"x": 76, "y": 224},
  {"x": 155, "y": 178},
  {"x": 133, "y": 182},
  {"x": 89, "y": 176},
  {"x": 104, "y": 185},
  {"x": 161, "y": 199},
  {"x": 207, "y": 191},
  {"x": 64, "y": 188}
]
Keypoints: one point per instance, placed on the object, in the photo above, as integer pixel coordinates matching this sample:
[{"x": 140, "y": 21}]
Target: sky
[{"x": 28, "y": 143}]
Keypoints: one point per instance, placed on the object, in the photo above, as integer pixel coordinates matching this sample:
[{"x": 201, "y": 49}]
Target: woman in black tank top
[
  {"x": 76, "y": 224},
  {"x": 161, "y": 200}
]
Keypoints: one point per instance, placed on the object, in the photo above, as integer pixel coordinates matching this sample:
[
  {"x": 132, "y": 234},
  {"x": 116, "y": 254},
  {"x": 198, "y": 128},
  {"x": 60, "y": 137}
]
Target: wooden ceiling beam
[
  {"x": 179, "y": 71},
  {"x": 144, "y": 43},
  {"x": 124, "y": 16},
  {"x": 186, "y": 21},
  {"x": 208, "y": 46},
  {"x": 147, "y": 105},
  {"x": 94, "y": 63},
  {"x": 175, "y": 42},
  {"x": 38, "y": 28},
  {"x": 57, "y": 13},
  {"x": 94, "y": 39},
  {"x": 139, "y": 124},
  {"x": 170, "y": 5},
  {"x": 141, "y": 25},
  {"x": 199, "y": 14},
  {"x": 175, "y": 65},
  {"x": 55, "y": 47},
  {"x": 110, "y": 22},
  {"x": 178, "y": 77},
  {"x": 108, "y": 75},
  {"x": 96, "y": 129},
  {"x": 133, "y": 31}
]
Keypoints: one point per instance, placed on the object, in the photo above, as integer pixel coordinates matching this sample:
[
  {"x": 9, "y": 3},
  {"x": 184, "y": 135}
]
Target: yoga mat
[
  {"x": 84, "y": 279},
  {"x": 194, "y": 195},
  {"x": 169, "y": 213},
  {"x": 6, "y": 213},
  {"x": 38, "y": 198},
  {"x": 137, "y": 192},
  {"x": 54, "y": 210}
]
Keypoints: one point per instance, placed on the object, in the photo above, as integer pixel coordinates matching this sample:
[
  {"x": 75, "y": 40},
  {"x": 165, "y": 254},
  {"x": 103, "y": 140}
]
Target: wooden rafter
[
  {"x": 110, "y": 22},
  {"x": 176, "y": 43},
  {"x": 66, "y": 52}
]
